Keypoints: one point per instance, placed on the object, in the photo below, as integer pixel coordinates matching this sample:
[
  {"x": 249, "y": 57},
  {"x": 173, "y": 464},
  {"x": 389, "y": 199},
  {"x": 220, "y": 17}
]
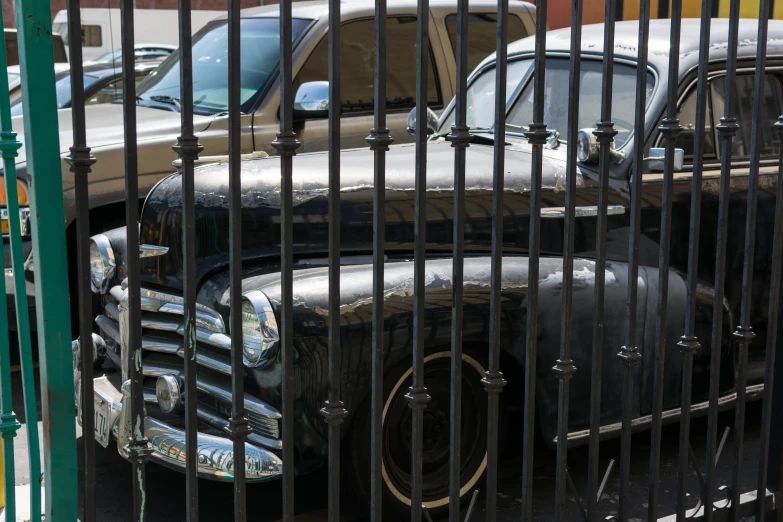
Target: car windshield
[
  {"x": 481, "y": 98},
  {"x": 259, "y": 55},
  {"x": 62, "y": 89}
]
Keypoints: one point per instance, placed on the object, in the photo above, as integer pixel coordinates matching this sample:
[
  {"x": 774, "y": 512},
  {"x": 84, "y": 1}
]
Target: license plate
[{"x": 101, "y": 421}]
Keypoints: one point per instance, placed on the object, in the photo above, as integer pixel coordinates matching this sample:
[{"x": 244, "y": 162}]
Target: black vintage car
[{"x": 162, "y": 273}]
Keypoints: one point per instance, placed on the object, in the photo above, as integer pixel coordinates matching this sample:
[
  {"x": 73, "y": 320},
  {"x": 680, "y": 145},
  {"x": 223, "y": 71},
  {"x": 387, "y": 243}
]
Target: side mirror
[
  {"x": 658, "y": 155},
  {"x": 312, "y": 101},
  {"x": 432, "y": 121}
]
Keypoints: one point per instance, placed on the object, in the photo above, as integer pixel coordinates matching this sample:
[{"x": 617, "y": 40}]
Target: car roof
[
  {"x": 315, "y": 9},
  {"x": 627, "y": 38}
]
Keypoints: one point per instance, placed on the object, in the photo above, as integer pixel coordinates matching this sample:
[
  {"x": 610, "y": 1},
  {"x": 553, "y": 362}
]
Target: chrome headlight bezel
[
  {"x": 168, "y": 392},
  {"x": 103, "y": 266},
  {"x": 258, "y": 319},
  {"x": 587, "y": 146}
]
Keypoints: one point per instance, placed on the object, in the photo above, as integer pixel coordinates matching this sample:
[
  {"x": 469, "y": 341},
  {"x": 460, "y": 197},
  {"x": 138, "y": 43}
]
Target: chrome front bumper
[{"x": 215, "y": 455}]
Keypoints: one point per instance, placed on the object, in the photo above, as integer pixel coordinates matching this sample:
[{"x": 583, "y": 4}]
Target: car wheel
[{"x": 396, "y": 444}]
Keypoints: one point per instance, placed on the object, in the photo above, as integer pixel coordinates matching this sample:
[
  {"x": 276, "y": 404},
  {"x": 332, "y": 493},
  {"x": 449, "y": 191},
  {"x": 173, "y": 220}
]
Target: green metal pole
[
  {"x": 9, "y": 146},
  {"x": 44, "y": 170}
]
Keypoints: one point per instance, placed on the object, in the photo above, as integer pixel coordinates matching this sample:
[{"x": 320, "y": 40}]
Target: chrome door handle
[{"x": 581, "y": 211}]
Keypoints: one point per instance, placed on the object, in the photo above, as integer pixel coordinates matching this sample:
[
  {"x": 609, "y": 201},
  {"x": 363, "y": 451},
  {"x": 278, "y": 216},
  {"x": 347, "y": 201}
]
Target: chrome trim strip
[
  {"x": 152, "y": 250},
  {"x": 217, "y": 340},
  {"x": 160, "y": 344},
  {"x": 215, "y": 389},
  {"x": 154, "y": 322},
  {"x": 112, "y": 311},
  {"x": 109, "y": 264},
  {"x": 209, "y": 416},
  {"x": 152, "y": 301},
  {"x": 211, "y": 319},
  {"x": 109, "y": 327},
  {"x": 608, "y": 431},
  {"x": 208, "y": 360},
  {"x": 582, "y": 211},
  {"x": 210, "y": 386}
]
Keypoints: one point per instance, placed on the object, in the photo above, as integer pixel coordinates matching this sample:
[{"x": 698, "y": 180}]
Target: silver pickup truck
[{"x": 157, "y": 107}]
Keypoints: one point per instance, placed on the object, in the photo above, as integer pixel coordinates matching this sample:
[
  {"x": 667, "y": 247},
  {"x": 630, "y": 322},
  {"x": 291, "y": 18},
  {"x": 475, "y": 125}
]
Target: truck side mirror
[
  {"x": 656, "y": 159},
  {"x": 311, "y": 101},
  {"x": 432, "y": 121}
]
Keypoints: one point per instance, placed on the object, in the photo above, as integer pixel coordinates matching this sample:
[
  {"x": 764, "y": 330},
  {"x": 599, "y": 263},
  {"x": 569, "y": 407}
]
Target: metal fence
[{"x": 43, "y": 173}]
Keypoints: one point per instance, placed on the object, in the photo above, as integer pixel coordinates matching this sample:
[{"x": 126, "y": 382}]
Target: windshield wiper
[{"x": 165, "y": 98}]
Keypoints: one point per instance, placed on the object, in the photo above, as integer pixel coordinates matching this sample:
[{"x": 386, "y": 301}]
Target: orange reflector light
[{"x": 21, "y": 189}]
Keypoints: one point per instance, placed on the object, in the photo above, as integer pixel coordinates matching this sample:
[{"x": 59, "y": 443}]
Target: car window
[
  {"x": 357, "y": 66},
  {"x": 482, "y": 35},
  {"x": 769, "y": 144},
  {"x": 590, "y": 95},
  {"x": 107, "y": 94},
  {"x": 686, "y": 113},
  {"x": 480, "y": 107}
]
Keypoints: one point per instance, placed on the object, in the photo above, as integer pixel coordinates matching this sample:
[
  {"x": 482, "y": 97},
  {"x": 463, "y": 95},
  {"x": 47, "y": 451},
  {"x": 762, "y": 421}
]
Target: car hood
[
  {"x": 162, "y": 214},
  {"x": 104, "y": 123}
]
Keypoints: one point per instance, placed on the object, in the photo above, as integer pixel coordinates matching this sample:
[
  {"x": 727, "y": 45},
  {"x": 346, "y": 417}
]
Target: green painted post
[
  {"x": 9, "y": 425},
  {"x": 36, "y": 58}
]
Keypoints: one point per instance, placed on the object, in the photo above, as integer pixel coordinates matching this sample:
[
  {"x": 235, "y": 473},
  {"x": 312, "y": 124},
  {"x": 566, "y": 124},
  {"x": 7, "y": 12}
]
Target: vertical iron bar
[
  {"x": 188, "y": 149},
  {"x": 670, "y": 129},
  {"x": 333, "y": 410},
  {"x": 727, "y": 128},
  {"x": 138, "y": 449},
  {"x": 81, "y": 160},
  {"x": 564, "y": 369},
  {"x": 604, "y": 134},
  {"x": 629, "y": 354},
  {"x": 744, "y": 334},
  {"x": 9, "y": 147},
  {"x": 772, "y": 337},
  {"x": 286, "y": 145},
  {"x": 460, "y": 140},
  {"x": 417, "y": 395},
  {"x": 238, "y": 423},
  {"x": 689, "y": 345},
  {"x": 537, "y": 136},
  {"x": 379, "y": 141},
  {"x": 493, "y": 381}
]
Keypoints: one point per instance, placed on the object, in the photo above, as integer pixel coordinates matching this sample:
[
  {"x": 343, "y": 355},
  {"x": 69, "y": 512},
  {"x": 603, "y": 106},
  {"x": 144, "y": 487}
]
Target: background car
[
  {"x": 102, "y": 84},
  {"x": 140, "y": 51}
]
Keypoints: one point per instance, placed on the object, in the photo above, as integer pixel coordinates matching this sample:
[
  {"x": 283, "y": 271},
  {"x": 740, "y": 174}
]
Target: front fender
[{"x": 311, "y": 287}]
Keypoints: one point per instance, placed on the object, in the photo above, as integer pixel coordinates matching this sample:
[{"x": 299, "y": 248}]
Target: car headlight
[
  {"x": 102, "y": 264},
  {"x": 260, "y": 336},
  {"x": 586, "y": 146}
]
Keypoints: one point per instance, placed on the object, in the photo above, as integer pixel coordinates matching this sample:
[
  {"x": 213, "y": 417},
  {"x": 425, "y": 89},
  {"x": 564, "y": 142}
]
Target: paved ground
[{"x": 166, "y": 494}]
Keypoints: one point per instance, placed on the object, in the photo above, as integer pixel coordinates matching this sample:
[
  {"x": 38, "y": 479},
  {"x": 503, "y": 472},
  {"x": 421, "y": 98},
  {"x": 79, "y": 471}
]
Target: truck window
[
  {"x": 91, "y": 36},
  {"x": 357, "y": 63},
  {"x": 769, "y": 144},
  {"x": 482, "y": 35}
]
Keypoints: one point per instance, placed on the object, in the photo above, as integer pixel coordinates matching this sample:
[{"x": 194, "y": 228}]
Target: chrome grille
[{"x": 163, "y": 345}]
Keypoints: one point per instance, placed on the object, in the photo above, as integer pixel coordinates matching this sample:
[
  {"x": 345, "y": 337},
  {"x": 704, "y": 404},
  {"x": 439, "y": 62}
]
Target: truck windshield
[{"x": 259, "y": 56}]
